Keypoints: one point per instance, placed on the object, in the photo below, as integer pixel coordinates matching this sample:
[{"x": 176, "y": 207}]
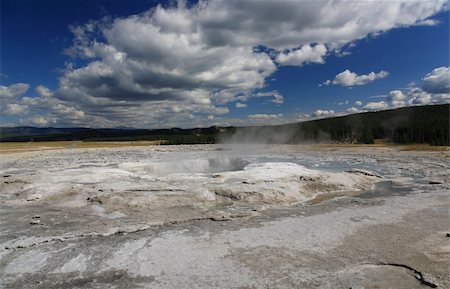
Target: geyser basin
[
  {"x": 189, "y": 166},
  {"x": 161, "y": 181},
  {"x": 285, "y": 182},
  {"x": 109, "y": 216}
]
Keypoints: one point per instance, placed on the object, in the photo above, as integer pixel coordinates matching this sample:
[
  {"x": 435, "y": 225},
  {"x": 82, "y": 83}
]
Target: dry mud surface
[{"x": 210, "y": 216}]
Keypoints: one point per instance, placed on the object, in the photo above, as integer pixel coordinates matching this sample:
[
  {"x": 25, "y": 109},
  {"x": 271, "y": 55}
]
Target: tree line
[{"x": 418, "y": 124}]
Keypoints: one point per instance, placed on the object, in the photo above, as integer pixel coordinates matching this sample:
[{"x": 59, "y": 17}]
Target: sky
[{"x": 161, "y": 64}]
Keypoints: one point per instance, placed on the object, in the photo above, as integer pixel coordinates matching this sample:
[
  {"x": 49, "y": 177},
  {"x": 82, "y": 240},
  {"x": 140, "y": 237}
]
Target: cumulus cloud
[
  {"x": 262, "y": 116},
  {"x": 43, "y": 91},
  {"x": 41, "y": 110},
  {"x": 277, "y": 97},
  {"x": 380, "y": 105},
  {"x": 10, "y": 99},
  {"x": 418, "y": 96},
  {"x": 177, "y": 65},
  {"x": 306, "y": 54},
  {"x": 435, "y": 90},
  {"x": 13, "y": 90},
  {"x": 296, "y": 23},
  {"x": 240, "y": 105},
  {"x": 348, "y": 78},
  {"x": 15, "y": 109},
  {"x": 397, "y": 98},
  {"x": 442, "y": 98},
  {"x": 200, "y": 57},
  {"x": 412, "y": 95},
  {"x": 396, "y": 95},
  {"x": 437, "y": 81},
  {"x": 322, "y": 113},
  {"x": 41, "y": 121},
  {"x": 352, "y": 110},
  {"x": 162, "y": 55}
]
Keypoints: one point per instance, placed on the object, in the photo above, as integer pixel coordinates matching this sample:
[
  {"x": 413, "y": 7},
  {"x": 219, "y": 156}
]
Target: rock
[
  {"x": 34, "y": 197},
  {"x": 94, "y": 199},
  {"x": 364, "y": 173},
  {"x": 35, "y": 222},
  {"x": 447, "y": 235}
]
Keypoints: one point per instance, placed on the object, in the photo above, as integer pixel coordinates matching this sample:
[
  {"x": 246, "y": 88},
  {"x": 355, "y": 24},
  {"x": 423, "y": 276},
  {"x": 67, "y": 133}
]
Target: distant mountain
[
  {"x": 6, "y": 132},
  {"x": 25, "y": 134},
  {"x": 417, "y": 124}
]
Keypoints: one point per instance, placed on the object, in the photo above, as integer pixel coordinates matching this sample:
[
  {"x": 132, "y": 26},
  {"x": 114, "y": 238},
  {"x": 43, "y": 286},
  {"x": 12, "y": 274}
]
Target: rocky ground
[{"x": 244, "y": 216}]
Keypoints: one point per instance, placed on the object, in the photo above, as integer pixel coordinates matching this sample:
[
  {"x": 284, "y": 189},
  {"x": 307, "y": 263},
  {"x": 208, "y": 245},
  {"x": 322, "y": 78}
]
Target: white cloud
[
  {"x": 412, "y": 95},
  {"x": 306, "y": 54},
  {"x": 200, "y": 57},
  {"x": 297, "y": 23},
  {"x": 240, "y": 105},
  {"x": 264, "y": 116},
  {"x": 358, "y": 103},
  {"x": 302, "y": 117},
  {"x": 15, "y": 109},
  {"x": 434, "y": 91},
  {"x": 34, "y": 110},
  {"x": 13, "y": 90},
  {"x": 39, "y": 121},
  {"x": 162, "y": 55},
  {"x": 396, "y": 95},
  {"x": 397, "y": 98},
  {"x": 437, "y": 81},
  {"x": 277, "y": 97},
  {"x": 166, "y": 66},
  {"x": 348, "y": 78},
  {"x": 442, "y": 98},
  {"x": 418, "y": 96},
  {"x": 380, "y": 105},
  {"x": 352, "y": 110},
  {"x": 43, "y": 91},
  {"x": 322, "y": 113}
]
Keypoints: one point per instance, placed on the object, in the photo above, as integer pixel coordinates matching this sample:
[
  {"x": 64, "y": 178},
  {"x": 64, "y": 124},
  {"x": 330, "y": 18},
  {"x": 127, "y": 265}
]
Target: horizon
[
  {"x": 192, "y": 64},
  {"x": 205, "y": 127}
]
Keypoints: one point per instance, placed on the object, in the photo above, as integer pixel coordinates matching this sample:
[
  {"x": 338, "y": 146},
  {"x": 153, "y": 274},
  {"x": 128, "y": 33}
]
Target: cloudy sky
[{"x": 153, "y": 64}]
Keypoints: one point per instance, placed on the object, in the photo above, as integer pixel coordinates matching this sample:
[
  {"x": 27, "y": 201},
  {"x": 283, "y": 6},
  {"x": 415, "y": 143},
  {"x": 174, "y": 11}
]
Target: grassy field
[{"x": 14, "y": 147}]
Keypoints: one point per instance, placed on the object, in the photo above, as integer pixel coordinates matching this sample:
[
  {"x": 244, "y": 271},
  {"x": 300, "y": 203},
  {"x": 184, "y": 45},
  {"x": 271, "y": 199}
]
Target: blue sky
[{"x": 149, "y": 63}]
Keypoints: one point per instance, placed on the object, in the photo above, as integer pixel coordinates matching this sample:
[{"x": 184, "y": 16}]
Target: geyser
[{"x": 189, "y": 166}]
